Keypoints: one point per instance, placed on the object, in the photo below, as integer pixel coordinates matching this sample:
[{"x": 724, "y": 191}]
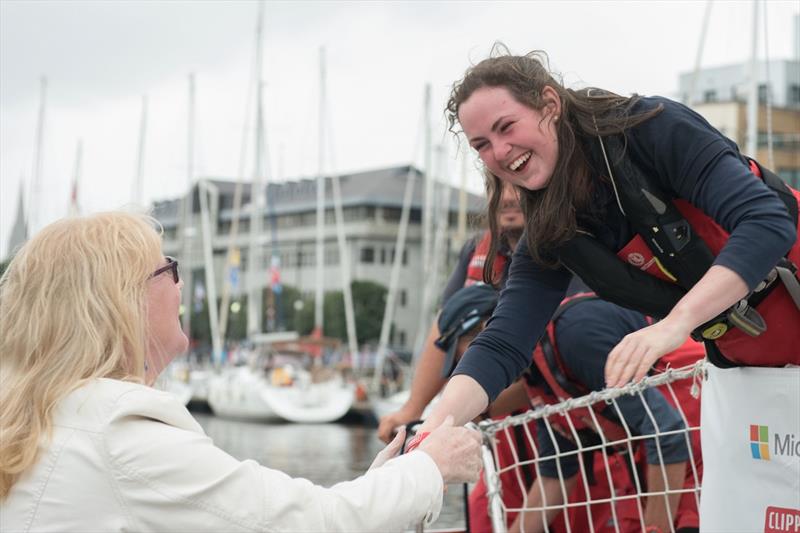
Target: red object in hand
[{"x": 416, "y": 441}]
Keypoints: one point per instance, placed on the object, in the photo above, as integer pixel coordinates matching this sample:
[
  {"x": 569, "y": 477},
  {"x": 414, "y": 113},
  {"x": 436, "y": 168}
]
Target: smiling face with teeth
[{"x": 517, "y": 143}]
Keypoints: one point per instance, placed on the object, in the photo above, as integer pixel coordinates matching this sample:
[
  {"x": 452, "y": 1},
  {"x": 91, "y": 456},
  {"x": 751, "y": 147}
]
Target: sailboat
[
  {"x": 236, "y": 392},
  {"x": 303, "y": 399},
  {"x": 307, "y": 393}
]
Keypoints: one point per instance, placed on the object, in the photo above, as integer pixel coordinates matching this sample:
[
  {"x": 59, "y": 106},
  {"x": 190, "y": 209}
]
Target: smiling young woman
[{"x": 605, "y": 178}]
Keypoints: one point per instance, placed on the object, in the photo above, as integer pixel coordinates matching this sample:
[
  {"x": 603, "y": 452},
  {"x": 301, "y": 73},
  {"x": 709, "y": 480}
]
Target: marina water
[{"x": 325, "y": 454}]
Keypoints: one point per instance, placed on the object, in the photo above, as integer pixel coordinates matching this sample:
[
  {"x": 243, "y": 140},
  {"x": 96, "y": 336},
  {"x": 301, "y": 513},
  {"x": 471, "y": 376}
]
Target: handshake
[{"x": 455, "y": 450}]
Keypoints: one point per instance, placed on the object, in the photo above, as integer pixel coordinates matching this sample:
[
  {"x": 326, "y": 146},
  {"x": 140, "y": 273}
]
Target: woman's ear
[{"x": 552, "y": 101}]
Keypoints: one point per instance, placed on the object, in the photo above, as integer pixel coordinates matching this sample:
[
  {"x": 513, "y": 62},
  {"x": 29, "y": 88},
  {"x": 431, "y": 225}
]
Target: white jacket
[{"x": 125, "y": 457}]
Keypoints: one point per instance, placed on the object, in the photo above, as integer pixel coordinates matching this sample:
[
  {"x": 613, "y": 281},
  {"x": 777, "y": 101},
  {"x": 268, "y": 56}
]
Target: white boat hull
[
  {"x": 236, "y": 393},
  {"x": 314, "y": 403}
]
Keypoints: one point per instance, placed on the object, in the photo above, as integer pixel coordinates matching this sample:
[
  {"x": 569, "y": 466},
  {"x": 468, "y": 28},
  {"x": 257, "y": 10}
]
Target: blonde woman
[{"x": 88, "y": 319}]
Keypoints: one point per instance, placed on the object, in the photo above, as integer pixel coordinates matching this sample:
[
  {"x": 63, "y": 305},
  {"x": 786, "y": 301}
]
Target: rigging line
[
  {"x": 237, "y": 199},
  {"x": 699, "y": 56},
  {"x": 341, "y": 237},
  {"x": 186, "y": 207},
  {"x": 399, "y": 248},
  {"x": 768, "y": 95}
]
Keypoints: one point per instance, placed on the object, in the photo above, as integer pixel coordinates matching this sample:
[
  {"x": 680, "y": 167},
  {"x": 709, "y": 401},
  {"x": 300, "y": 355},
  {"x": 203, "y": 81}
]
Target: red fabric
[
  {"x": 513, "y": 493},
  {"x": 416, "y": 441},
  {"x": 688, "y": 354},
  {"x": 627, "y": 511},
  {"x": 475, "y": 268}
]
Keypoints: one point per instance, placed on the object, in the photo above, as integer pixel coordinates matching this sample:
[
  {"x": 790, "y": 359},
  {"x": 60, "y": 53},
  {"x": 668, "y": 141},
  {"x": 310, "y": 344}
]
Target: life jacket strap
[
  {"x": 744, "y": 315},
  {"x": 787, "y": 272}
]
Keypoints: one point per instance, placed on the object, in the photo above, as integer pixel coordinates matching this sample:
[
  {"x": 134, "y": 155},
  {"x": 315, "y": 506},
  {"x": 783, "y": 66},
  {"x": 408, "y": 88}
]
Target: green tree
[{"x": 369, "y": 302}]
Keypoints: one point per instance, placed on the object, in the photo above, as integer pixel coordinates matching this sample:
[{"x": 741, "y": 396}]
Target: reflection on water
[{"x": 323, "y": 453}]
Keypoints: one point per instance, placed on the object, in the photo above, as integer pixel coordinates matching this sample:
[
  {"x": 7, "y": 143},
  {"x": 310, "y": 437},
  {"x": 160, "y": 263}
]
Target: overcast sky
[{"x": 100, "y": 58}]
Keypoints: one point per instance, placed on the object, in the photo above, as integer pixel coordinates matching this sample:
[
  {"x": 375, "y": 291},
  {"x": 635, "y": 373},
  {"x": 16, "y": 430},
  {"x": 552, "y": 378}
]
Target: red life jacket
[
  {"x": 675, "y": 245},
  {"x": 475, "y": 268}
]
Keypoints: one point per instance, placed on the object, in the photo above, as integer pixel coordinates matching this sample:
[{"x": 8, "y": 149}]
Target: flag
[{"x": 275, "y": 274}]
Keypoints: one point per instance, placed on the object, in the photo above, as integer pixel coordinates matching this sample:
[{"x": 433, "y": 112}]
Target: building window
[
  {"x": 391, "y": 214},
  {"x": 383, "y": 256},
  {"x": 401, "y": 338},
  {"x": 794, "y": 94},
  {"x": 368, "y": 255},
  {"x": 405, "y": 256},
  {"x": 763, "y": 92},
  {"x": 402, "y": 297},
  {"x": 710, "y": 96}
]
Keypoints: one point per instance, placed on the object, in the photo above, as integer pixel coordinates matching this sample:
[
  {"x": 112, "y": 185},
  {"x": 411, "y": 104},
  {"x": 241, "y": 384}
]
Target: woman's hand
[
  {"x": 638, "y": 351},
  {"x": 456, "y": 450},
  {"x": 717, "y": 290},
  {"x": 391, "y": 450}
]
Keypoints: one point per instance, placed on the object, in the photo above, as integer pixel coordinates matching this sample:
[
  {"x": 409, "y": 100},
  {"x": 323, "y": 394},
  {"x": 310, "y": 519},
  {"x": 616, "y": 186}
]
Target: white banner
[{"x": 750, "y": 420}]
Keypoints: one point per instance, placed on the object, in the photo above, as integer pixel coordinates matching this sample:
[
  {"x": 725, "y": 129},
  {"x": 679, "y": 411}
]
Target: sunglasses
[
  {"x": 172, "y": 265},
  {"x": 461, "y": 327}
]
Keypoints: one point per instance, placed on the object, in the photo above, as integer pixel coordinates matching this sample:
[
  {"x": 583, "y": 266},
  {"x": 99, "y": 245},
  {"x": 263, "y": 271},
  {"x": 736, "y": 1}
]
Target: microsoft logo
[{"x": 759, "y": 442}]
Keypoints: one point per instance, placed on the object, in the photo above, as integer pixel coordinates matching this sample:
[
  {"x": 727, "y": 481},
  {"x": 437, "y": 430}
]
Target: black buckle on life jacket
[
  {"x": 744, "y": 314},
  {"x": 747, "y": 319}
]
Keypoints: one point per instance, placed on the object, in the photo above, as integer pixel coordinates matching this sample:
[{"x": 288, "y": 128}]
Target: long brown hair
[{"x": 550, "y": 213}]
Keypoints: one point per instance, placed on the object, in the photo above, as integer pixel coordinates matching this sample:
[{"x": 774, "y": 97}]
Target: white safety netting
[{"x": 587, "y": 464}]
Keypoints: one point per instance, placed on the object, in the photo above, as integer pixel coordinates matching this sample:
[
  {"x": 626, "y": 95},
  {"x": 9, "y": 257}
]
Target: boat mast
[
  {"x": 254, "y": 260},
  {"x": 233, "y": 259},
  {"x": 429, "y": 199},
  {"x": 34, "y": 199},
  {"x": 341, "y": 238},
  {"x": 320, "y": 249},
  {"x": 204, "y": 189},
  {"x": 187, "y": 229},
  {"x": 74, "y": 208},
  {"x": 394, "y": 278},
  {"x": 699, "y": 57},
  {"x": 432, "y": 279},
  {"x": 274, "y": 305},
  {"x": 138, "y": 182},
  {"x": 768, "y": 96},
  {"x": 461, "y": 234},
  {"x": 752, "y": 95},
  {"x": 427, "y": 206}
]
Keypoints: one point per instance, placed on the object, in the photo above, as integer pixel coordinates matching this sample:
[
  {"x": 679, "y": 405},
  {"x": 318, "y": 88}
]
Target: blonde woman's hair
[{"x": 72, "y": 309}]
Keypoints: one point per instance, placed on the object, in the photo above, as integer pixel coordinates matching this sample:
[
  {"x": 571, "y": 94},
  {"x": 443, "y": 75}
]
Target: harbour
[{"x": 325, "y": 454}]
